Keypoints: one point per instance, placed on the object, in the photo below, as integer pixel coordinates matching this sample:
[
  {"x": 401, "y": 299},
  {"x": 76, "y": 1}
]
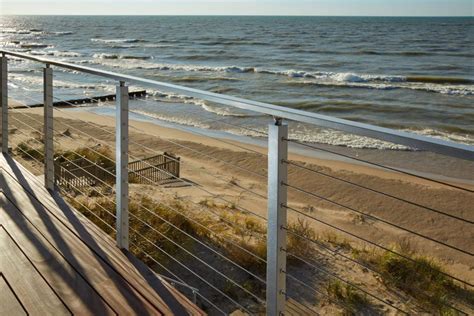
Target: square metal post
[
  {"x": 48, "y": 128},
  {"x": 121, "y": 165},
  {"x": 4, "y": 102},
  {"x": 276, "y": 232}
]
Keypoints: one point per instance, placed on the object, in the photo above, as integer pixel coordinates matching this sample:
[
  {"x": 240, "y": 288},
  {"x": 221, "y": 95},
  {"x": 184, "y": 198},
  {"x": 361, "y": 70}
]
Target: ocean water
[{"x": 412, "y": 74}]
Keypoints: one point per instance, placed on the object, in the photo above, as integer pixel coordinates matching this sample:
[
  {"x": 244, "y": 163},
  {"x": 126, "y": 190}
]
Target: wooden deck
[{"x": 54, "y": 261}]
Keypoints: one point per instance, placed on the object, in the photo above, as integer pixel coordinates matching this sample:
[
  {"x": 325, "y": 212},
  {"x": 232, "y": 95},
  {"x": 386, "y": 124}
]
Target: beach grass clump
[
  {"x": 100, "y": 155},
  {"x": 99, "y": 211},
  {"x": 29, "y": 152},
  {"x": 299, "y": 240},
  {"x": 151, "y": 224},
  {"x": 248, "y": 253},
  {"x": 419, "y": 276},
  {"x": 335, "y": 240},
  {"x": 352, "y": 299}
]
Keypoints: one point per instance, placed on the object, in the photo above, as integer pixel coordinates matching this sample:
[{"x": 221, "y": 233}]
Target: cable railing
[{"x": 206, "y": 232}]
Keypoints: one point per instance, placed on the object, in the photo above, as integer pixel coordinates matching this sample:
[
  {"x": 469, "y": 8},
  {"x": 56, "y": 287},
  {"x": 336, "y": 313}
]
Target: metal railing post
[
  {"x": 48, "y": 128},
  {"x": 121, "y": 164},
  {"x": 276, "y": 238},
  {"x": 4, "y": 101}
]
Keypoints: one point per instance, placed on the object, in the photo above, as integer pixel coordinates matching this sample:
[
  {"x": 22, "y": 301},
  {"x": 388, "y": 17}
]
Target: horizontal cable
[
  {"x": 292, "y": 296},
  {"x": 367, "y": 266},
  {"x": 372, "y": 243},
  {"x": 381, "y": 193},
  {"x": 57, "y": 142},
  {"x": 38, "y": 169},
  {"x": 71, "y": 161},
  {"x": 102, "y": 195},
  {"x": 209, "y": 119},
  {"x": 148, "y": 210},
  {"x": 378, "y": 219},
  {"x": 381, "y": 166}
]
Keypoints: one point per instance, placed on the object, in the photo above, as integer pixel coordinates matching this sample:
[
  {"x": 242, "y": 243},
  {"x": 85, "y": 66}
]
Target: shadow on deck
[{"x": 54, "y": 261}]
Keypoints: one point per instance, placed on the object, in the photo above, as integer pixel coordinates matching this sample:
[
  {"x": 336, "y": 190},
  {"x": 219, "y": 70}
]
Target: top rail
[{"x": 399, "y": 137}]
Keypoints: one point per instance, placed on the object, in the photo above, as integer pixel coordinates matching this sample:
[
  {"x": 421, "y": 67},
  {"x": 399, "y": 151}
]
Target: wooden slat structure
[
  {"x": 54, "y": 261},
  {"x": 81, "y": 172},
  {"x": 154, "y": 169}
]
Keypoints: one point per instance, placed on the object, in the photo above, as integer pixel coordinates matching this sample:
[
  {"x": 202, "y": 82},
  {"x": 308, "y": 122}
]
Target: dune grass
[
  {"x": 28, "y": 152},
  {"x": 422, "y": 278},
  {"x": 100, "y": 155},
  {"x": 353, "y": 301}
]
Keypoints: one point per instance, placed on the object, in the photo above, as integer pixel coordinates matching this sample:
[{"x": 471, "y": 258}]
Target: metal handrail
[{"x": 412, "y": 140}]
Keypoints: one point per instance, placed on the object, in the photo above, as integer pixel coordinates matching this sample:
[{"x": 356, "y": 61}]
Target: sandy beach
[{"x": 219, "y": 166}]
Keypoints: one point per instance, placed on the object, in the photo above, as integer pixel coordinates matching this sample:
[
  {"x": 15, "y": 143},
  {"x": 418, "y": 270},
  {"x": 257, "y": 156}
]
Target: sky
[{"x": 240, "y": 7}]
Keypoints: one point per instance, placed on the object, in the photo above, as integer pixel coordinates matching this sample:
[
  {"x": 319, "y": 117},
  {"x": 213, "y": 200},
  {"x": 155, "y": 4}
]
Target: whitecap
[{"x": 117, "y": 40}]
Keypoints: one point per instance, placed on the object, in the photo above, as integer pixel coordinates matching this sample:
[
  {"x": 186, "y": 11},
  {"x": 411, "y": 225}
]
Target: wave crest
[
  {"x": 117, "y": 56},
  {"x": 117, "y": 40}
]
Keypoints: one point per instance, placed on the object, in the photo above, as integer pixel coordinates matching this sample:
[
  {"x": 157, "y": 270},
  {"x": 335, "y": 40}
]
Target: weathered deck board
[
  {"x": 69, "y": 284},
  {"x": 36, "y": 294},
  {"x": 122, "y": 283},
  {"x": 9, "y": 303}
]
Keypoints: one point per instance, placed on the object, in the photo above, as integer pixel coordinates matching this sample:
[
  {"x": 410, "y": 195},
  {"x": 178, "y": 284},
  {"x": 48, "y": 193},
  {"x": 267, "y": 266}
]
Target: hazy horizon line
[{"x": 255, "y": 15}]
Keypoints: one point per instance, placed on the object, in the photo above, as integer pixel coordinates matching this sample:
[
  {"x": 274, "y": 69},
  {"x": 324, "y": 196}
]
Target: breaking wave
[
  {"x": 117, "y": 40},
  {"x": 443, "y": 85},
  {"x": 117, "y": 56}
]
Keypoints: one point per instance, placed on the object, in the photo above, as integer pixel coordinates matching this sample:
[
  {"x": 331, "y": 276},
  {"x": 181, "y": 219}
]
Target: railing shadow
[
  {"x": 124, "y": 288},
  {"x": 94, "y": 306}
]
